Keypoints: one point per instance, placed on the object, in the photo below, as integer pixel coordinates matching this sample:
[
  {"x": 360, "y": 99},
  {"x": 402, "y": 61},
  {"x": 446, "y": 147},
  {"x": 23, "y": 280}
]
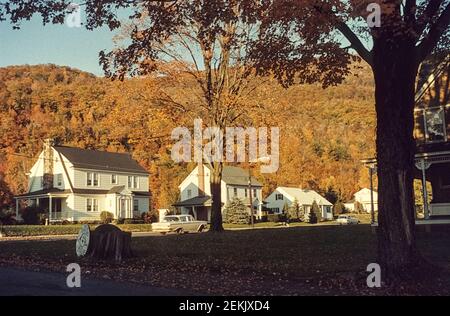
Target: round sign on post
[{"x": 83, "y": 241}]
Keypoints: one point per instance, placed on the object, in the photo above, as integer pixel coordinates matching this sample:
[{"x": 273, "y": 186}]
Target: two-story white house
[
  {"x": 78, "y": 184},
  {"x": 282, "y": 196},
  {"x": 195, "y": 192}
]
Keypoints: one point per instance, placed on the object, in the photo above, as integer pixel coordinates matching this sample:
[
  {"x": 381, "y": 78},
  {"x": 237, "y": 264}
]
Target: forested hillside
[{"x": 324, "y": 133}]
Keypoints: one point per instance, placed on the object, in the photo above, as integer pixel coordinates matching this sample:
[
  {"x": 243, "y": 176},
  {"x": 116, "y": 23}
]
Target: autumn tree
[
  {"x": 305, "y": 32},
  {"x": 208, "y": 41}
]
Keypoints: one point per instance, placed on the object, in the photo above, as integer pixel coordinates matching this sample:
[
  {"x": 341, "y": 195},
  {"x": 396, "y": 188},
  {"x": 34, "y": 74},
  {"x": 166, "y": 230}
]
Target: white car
[
  {"x": 347, "y": 219},
  {"x": 179, "y": 224}
]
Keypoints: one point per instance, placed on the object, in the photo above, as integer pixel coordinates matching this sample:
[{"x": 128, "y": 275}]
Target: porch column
[
  {"x": 50, "y": 207},
  {"x": 17, "y": 208},
  {"x": 424, "y": 165},
  {"x": 372, "y": 208}
]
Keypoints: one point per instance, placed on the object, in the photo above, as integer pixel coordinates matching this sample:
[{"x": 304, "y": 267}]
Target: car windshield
[{"x": 171, "y": 219}]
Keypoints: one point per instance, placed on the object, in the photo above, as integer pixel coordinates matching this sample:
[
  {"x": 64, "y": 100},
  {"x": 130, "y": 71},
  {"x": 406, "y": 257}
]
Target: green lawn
[{"x": 262, "y": 261}]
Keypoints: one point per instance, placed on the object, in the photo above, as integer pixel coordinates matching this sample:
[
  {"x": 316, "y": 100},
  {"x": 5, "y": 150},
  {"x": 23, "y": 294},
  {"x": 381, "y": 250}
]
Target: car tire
[
  {"x": 180, "y": 231},
  {"x": 162, "y": 233}
]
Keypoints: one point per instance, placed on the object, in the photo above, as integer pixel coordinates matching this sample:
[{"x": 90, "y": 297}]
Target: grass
[
  {"x": 263, "y": 261},
  {"x": 41, "y": 230}
]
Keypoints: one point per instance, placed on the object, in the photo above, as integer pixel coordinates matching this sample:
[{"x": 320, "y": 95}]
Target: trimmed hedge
[
  {"x": 39, "y": 230},
  {"x": 51, "y": 230}
]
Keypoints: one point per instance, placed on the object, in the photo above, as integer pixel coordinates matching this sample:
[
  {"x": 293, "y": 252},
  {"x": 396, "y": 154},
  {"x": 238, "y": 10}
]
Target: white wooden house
[
  {"x": 282, "y": 196},
  {"x": 195, "y": 192},
  {"x": 78, "y": 184},
  {"x": 363, "y": 197}
]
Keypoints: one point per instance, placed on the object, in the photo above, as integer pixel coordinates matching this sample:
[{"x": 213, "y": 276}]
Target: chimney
[
  {"x": 48, "y": 163},
  {"x": 201, "y": 179}
]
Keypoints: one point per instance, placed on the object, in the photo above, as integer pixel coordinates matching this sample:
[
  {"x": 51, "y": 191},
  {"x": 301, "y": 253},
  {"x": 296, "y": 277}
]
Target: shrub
[
  {"x": 7, "y": 218},
  {"x": 32, "y": 215},
  {"x": 149, "y": 217},
  {"x": 89, "y": 222},
  {"x": 339, "y": 208},
  {"x": 236, "y": 213},
  {"x": 315, "y": 214},
  {"x": 263, "y": 218},
  {"x": 294, "y": 212},
  {"x": 106, "y": 217},
  {"x": 128, "y": 221},
  {"x": 275, "y": 218},
  {"x": 39, "y": 230}
]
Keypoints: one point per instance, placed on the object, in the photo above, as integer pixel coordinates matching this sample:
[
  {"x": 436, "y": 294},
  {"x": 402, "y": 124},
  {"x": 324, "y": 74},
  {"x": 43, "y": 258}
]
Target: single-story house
[{"x": 282, "y": 196}]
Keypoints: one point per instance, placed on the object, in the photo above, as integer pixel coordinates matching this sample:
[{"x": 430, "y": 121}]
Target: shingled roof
[
  {"x": 100, "y": 160},
  {"x": 237, "y": 176}
]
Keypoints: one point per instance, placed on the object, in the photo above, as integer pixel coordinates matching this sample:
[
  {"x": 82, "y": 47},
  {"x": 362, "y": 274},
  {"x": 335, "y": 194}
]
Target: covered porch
[
  {"x": 434, "y": 168},
  {"x": 199, "y": 207},
  {"x": 51, "y": 202}
]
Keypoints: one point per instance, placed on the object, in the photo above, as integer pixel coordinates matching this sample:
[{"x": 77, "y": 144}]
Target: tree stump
[{"x": 106, "y": 242}]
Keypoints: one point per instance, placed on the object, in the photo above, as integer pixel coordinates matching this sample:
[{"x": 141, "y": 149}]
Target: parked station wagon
[{"x": 179, "y": 224}]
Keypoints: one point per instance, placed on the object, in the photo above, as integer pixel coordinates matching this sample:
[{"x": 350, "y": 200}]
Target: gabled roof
[
  {"x": 237, "y": 176},
  {"x": 201, "y": 200},
  {"x": 304, "y": 196},
  {"x": 364, "y": 190},
  {"x": 100, "y": 160}
]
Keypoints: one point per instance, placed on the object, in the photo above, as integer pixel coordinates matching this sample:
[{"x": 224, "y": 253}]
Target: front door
[{"x": 123, "y": 208}]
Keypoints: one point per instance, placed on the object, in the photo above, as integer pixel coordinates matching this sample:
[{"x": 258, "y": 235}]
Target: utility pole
[{"x": 252, "y": 221}]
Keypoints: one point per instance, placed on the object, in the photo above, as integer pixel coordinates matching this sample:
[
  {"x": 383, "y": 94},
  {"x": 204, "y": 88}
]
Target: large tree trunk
[
  {"x": 395, "y": 69},
  {"x": 216, "y": 194}
]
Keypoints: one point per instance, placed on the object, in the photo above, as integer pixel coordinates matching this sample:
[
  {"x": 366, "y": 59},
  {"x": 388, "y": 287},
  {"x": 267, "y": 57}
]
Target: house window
[
  {"x": 59, "y": 180},
  {"x": 91, "y": 205},
  {"x": 92, "y": 179},
  {"x": 133, "y": 182},
  {"x": 114, "y": 179},
  {"x": 135, "y": 205},
  {"x": 246, "y": 193},
  {"x": 189, "y": 193},
  {"x": 235, "y": 191},
  {"x": 254, "y": 193},
  {"x": 278, "y": 196}
]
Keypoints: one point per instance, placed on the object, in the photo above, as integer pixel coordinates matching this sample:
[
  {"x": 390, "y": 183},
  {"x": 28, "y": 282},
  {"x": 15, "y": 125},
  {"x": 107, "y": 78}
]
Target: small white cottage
[
  {"x": 363, "y": 197},
  {"x": 282, "y": 196}
]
